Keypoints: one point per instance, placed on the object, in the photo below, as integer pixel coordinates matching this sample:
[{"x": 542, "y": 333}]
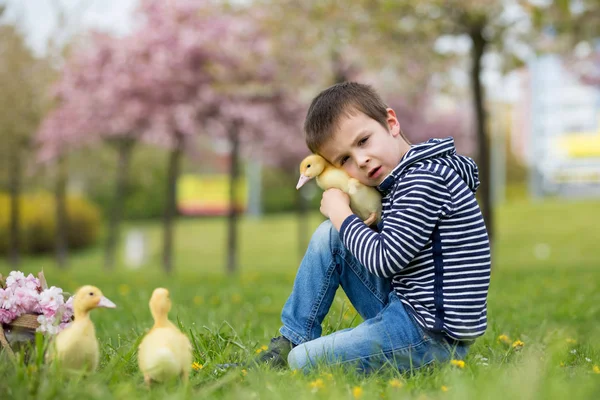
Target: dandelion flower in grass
[
  {"x": 261, "y": 349},
  {"x": 518, "y": 345},
  {"x": 124, "y": 289},
  {"x": 503, "y": 339},
  {"x": 244, "y": 372},
  {"x": 317, "y": 384},
  {"x": 395, "y": 383},
  {"x": 198, "y": 300},
  {"x": 197, "y": 366},
  {"x": 596, "y": 369},
  {"x": 445, "y": 388},
  {"x": 328, "y": 376},
  {"x": 357, "y": 392},
  {"x": 571, "y": 341},
  {"x": 236, "y": 298},
  {"x": 562, "y": 364},
  {"x": 458, "y": 363}
]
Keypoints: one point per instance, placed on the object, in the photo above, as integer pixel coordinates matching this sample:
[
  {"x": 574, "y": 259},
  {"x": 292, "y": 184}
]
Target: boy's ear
[{"x": 393, "y": 123}]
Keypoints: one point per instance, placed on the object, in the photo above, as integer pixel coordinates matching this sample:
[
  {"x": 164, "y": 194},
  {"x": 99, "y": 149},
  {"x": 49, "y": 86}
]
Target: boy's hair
[{"x": 342, "y": 99}]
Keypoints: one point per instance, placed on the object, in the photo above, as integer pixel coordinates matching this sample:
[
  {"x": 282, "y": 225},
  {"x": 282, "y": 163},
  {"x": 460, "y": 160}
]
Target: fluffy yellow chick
[
  {"x": 365, "y": 201},
  {"x": 76, "y": 347},
  {"x": 165, "y": 352}
]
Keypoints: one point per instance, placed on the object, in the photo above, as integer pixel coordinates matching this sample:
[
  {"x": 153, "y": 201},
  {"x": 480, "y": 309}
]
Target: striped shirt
[{"x": 432, "y": 240}]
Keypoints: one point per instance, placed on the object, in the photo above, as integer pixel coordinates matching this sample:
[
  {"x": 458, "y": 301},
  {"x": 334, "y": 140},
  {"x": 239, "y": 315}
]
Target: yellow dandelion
[
  {"x": 445, "y": 388},
  {"x": 458, "y": 363},
  {"x": 518, "y": 345},
  {"x": 294, "y": 372},
  {"x": 596, "y": 369},
  {"x": 198, "y": 300},
  {"x": 244, "y": 372},
  {"x": 124, "y": 289},
  {"x": 261, "y": 349},
  {"x": 317, "y": 384},
  {"x": 571, "y": 341},
  {"x": 357, "y": 392},
  {"x": 215, "y": 300},
  {"x": 562, "y": 364},
  {"x": 328, "y": 376},
  {"x": 236, "y": 298},
  {"x": 503, "y": 339},
  {"x": 395, "y": 383},
  {"x": 197, "y": 366}
]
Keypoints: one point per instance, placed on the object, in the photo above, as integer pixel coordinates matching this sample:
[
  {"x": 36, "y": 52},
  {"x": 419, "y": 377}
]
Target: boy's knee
[
  {"x": 325, "y": 235},
  {"x": 297, "y": 358}
]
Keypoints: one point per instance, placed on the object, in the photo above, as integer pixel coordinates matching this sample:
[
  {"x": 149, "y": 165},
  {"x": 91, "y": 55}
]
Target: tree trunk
[
  {"x": 171, "y": 206},
  {"x": 232, "y": 220},
  {"x": 125, "y": 148},
  {"x": 61, "y": 242},
  {"x": 14, "y": 244},
  {"x": 483, "y": 144}
]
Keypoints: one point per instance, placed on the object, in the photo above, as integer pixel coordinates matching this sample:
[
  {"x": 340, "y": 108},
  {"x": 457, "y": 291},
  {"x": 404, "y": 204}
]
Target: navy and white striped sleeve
[{"x": 419, "y": 201}]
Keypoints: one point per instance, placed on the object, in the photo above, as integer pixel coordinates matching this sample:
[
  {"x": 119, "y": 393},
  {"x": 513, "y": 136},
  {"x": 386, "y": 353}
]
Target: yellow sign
[
  {"x": 581, "y": 144},
  {"x": 209, "y": 194}
]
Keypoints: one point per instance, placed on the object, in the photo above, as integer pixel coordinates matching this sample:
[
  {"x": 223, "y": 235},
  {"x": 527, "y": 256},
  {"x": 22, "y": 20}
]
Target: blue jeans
[{"x": 389, "y": 335}]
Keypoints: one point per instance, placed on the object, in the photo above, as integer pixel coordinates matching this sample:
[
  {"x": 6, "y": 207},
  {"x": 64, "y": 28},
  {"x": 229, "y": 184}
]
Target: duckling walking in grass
[
  {"x": 365, "y": 201},
  {"x": 165, "y": 352},
  {"x": 76, "y": 347}
]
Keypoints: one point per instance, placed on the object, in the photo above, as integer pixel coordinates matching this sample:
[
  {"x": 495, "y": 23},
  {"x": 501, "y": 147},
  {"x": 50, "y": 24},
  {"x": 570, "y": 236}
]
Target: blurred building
[{"x": 555, "y": 129}]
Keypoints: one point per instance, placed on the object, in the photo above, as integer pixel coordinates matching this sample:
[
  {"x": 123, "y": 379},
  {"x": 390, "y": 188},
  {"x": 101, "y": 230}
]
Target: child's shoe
[{"x": 276, "y": 354}]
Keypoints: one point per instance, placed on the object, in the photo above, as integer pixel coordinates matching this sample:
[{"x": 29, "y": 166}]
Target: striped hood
[{"x": 436, "y": 151}]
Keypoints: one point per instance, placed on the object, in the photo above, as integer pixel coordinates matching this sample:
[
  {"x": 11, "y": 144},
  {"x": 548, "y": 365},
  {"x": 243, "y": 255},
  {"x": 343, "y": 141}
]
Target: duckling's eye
[
  {"x": 308, "y": 166},
  {"x": 91, "y": 293}
]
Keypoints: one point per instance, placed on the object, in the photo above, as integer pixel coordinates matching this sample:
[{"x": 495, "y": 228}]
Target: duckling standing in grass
[
  {"x": 165, "y": 352},
  {"x": 76, "y": 347},
  {"x": 365, "y": 201}
]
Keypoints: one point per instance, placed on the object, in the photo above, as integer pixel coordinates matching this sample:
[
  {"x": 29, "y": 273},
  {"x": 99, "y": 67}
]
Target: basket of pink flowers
[{"x": 28, "y": 305}]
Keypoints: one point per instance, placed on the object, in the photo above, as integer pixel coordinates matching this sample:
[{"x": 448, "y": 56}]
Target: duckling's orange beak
[
  {"x": 303, "y": 179},
  {"x": 104, "y": 302}
]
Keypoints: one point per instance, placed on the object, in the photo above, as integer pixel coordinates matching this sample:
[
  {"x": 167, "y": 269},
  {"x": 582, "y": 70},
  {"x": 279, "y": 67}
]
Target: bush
[{"x": 38, "y": 223}]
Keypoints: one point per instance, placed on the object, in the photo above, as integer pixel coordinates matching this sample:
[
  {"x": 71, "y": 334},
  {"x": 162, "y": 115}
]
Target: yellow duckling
[
  {"x": 76, "y": 347},
  {"x": 365, "y": 201},
  {"x": 165, "y": 352}
]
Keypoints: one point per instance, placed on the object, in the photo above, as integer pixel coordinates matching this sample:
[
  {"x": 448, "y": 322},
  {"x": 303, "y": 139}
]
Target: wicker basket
[{"x": 20, "y": 330}]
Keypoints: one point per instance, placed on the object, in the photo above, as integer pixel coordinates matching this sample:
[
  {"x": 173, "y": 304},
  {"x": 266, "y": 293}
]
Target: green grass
[{"x": 544, "y": 292}]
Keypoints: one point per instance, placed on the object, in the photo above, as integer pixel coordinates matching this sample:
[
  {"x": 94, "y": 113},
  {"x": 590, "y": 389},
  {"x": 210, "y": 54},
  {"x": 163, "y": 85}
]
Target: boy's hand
[{"x": 335, "y": 205}]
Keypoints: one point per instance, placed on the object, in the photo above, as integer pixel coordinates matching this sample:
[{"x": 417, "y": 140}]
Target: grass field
[{"x": 545, "y": 292}]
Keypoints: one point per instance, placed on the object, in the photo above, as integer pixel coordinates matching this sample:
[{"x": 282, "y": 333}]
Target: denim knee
[
  {"x": 325, "y": 237},
  {"x": 297, "y": 358}
]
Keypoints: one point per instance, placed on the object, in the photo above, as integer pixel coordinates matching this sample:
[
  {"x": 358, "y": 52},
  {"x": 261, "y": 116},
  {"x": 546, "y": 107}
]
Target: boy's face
[{"x": 364, "y": 149}]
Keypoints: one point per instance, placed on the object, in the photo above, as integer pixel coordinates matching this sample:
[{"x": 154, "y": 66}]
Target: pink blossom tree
[{"x": 180, "y": 74}]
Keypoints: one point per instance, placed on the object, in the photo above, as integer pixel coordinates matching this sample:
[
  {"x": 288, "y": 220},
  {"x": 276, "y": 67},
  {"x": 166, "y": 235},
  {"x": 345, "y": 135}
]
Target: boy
[{"x": 420, "y": 282}]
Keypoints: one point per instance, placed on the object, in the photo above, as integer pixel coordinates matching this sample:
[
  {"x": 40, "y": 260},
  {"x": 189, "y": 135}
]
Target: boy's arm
[{"x": 419, "y": 201}]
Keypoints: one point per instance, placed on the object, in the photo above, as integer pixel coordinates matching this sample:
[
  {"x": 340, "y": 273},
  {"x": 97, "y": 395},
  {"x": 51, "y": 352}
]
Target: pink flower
[
  {"x": 68, "y": 310},
  {"x": 32, "y": 283},
  {"x": 6, "y": 316},
  {"x": 47, "y": 324},
  {"x": 6, "y": 299},
  {"x": 26, "y": 300},
  {"x": 50, "y": 300},
  {"x": 15, "y": 279}
]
